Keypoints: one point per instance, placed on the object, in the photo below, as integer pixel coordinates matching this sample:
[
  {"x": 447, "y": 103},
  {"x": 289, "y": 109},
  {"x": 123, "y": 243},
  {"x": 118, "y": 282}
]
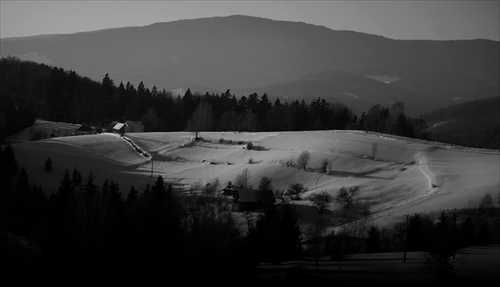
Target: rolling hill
[
  {"x": 405, "y": 177},
  {"x": 242, "y": 52}
]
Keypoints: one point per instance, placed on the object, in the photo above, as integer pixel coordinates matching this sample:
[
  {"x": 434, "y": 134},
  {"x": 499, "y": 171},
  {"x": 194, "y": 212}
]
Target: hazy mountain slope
[
  {"x": 358, "y": 92},
  {"x": 240, "y": 52},
  {"x": 473, "y": 123}
]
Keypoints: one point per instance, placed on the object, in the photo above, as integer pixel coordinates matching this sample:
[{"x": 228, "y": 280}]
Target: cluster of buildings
[
  {"x": 114, "y": 127},
  {"x": 246, "y": 199}
]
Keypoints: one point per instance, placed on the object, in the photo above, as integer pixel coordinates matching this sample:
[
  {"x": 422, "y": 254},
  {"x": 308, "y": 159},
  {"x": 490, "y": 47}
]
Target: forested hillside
[
  {"x": 474, "y": 123},
  {"x": 31, "y": 90},
  {"x": 251, "y": 54}
]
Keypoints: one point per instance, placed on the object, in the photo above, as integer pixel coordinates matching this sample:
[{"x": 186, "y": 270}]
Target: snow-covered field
[{"x": 405, "y": 177}]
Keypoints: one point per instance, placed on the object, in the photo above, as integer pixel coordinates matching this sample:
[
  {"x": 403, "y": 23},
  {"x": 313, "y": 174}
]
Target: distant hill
[
  {"x": 242, "y": 52},
  {"x": 474, "y": 123},
  {"x": 358, "y": 92}
]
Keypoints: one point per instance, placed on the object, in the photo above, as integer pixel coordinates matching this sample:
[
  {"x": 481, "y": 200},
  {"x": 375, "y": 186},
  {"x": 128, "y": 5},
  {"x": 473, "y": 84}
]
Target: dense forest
[
  {"x": 473, "y": 123},
  {"x": 30, "y": 90}
]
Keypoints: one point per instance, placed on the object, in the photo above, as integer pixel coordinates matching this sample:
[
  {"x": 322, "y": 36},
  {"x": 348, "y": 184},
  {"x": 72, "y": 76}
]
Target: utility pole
[
  {"x": 406, "y": 239},
  {"x": 152, "y": 165}
]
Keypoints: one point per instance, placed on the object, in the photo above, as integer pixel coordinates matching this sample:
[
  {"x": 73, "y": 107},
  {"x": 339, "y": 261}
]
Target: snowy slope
[{"x": 406, "y": 175}]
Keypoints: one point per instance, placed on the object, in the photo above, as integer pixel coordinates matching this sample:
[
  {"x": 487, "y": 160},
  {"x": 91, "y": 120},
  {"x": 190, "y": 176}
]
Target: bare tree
[
  {"x": 265, "y": 184},
  {"x": 303, "y": 159},
  {"x": 374, "y": 150},
  {"x": 325, "y": 165},
  {"x": 486, "y": 201},
  {"x": 321, "y": 200},
  {"x": 250, "y": 220},
  {"x": 243, "y": 178},
  {"x": 347, "y": 196},
  {"x": 212, "y": 188},
  {"x": 201, "y": 120}
]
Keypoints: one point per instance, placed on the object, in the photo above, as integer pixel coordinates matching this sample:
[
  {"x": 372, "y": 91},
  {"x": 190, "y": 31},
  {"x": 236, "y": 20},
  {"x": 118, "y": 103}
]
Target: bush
[
  {"x": 281, "y": 197},
  {"x": 486, "y": 201},
  {"x": 249, "y": 146},
  {"x": 212, "y": 188},
  {"x": 321, "y": 200},
  {"x": 296, "y": 190},
  {"x": 325, "y": 165},
  {"x": 289, "y": 163},
  {"x": 39, "y": 135}
]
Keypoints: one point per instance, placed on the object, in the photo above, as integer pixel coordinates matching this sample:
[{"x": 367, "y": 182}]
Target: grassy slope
[{"x": 406, "y": 176}]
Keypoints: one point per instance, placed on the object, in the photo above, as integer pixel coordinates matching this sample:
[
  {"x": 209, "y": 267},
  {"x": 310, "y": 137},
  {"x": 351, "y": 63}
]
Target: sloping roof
[
  {"x": 118, "y": 126},
  {"x": 248, "y": 195},
  {"x": 85, "y": 128}
]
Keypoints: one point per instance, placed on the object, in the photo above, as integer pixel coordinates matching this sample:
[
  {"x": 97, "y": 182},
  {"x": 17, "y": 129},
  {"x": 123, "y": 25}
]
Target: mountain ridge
[{"x": 245, "y": 52}]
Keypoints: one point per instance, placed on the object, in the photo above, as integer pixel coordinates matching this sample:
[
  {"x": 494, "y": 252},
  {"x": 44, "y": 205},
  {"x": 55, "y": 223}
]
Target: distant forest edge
[
  {"x": 474, "y": 123},
  {"x": 29, "y": 90}
]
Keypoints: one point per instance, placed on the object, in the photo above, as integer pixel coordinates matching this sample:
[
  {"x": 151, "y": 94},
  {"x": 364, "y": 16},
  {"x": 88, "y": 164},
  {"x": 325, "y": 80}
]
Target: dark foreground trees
[
  {"x": 91, "y": 228},
  {"x": 276, "y": 236}
]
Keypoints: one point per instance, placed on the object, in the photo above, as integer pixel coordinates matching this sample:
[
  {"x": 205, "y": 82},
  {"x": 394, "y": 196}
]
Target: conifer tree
[
  {"x": 22, "y": 188},
  {"x": 114, "y": 194},
  {"x": 66, "y": 189},
  {"x": 159, "y": 189},
  {"x": 48, "y": 165},
  {"x": 76, "y": 177},
  {"x": 131, "y": 197},
  {"x": 9, "y": 162},
  {"x": 90, "y": 188}
]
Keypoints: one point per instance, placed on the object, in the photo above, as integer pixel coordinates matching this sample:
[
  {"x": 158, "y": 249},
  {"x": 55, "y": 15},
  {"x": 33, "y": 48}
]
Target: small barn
[
  {"x": 246, "y": 199},
  {"x": 120, "y": 128},
  {"x": 85, "y": 129}
]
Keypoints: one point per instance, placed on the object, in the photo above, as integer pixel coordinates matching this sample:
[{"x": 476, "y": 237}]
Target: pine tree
[
  {"x": 22, "y": 188},
  {"x": 131, "y": 197},
  {"x": 76, "y": 178},
  {"x": 114, "y": 194},
  {"x": 9, "y": 162},
  {"x": 48, "y": 165},
  {"x": 159, "y": 189},
  {"x": 66, "y": 188},
  {"x": 90, "y": 189},
  {"x": 373, "y": 243}
]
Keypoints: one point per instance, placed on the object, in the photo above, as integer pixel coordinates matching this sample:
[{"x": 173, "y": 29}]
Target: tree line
[
  {"x": 473, "y": 123},
  {"x": 88, "y": 230},
  {"x": 30, "y": 90}
]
